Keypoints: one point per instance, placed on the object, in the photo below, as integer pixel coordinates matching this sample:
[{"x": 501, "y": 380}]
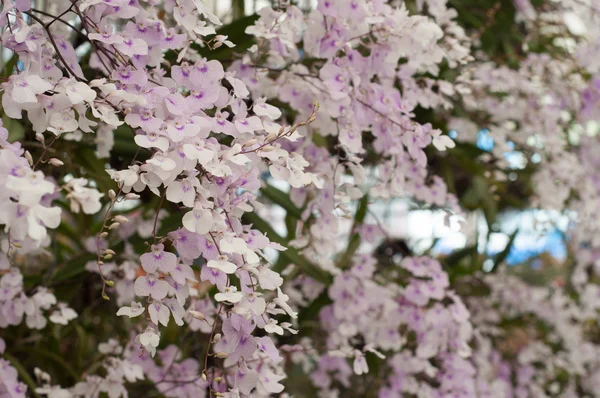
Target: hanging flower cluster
[
  {"x": 326, "y": 102},
  {"x": 545, "y": 345},
  {"x": 27, "y": 214},
  {"x": 179, "y": 119}
]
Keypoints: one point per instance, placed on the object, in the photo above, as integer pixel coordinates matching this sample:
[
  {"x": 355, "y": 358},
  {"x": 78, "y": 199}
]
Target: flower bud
[
  {"x": 40, "y": 137},
  {"x": 104, "y": 234},
  {"x": 105, "y": 297},
  {"x": 114, "y": 225},
  {"x": 271, "y": 137},
  {"x": 132, "y": 196},
  {"x": 203, "y": 376},
  {"x": 110, "y": 283},
  {"x": 121, "y": 219},
  {"x": 249, "y": 143},
  {"x": 56, "y": 162},
  {"x": 197, "y": 315},
  {"x": 221, "y": 354},
  {"x": 111, "y": 194},
  {"x": 41, "y": 375},
  {"x": 29, "y": 158}
]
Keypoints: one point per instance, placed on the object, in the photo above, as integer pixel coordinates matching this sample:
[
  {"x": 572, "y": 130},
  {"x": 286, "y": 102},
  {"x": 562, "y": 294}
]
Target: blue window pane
[{"x": 484, "y": 140}]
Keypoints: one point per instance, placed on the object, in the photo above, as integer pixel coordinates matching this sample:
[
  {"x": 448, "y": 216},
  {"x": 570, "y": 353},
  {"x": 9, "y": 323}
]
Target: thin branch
[
  {"x": 156, "y": 216},
  {"x": 46, "y": 148},
  {"x": 283, "y": 133},
  {"x": 70, "y": 25},
  {"x": 58, "y": 53}
]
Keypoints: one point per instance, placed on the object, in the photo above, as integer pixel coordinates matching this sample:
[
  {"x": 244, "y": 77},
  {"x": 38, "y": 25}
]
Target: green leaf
[
  {"x": 93, "y": 167},
  {"x": 22, "y": 374},
  {"x": 16, "y": 131},
  {"x": 457, "y": 256},
  {"x": 82, "y": 343},
  {"x": 125, "y": 145},
  {"x": 75, "y": 266},
  {"x": 57, "y": 359},
  {"x": 279, "y": 197},
  {"x": 311, "y": 312},
  {"x": 67, "y": 230},
  {"x": 9, "y": 67},
  {"x": 354, "y": 241},
  {"x": 478, "y": 196},
  {"x": 238, "y": 9},
  {"x": 500, "y": 257}
]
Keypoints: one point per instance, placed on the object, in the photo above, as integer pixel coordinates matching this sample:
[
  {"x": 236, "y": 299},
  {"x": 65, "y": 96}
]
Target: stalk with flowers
[{"x": 140, "y": 155}]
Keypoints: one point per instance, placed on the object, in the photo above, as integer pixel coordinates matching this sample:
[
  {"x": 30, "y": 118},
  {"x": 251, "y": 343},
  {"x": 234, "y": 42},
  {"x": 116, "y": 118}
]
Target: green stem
[{"x": 238, "y": 9}]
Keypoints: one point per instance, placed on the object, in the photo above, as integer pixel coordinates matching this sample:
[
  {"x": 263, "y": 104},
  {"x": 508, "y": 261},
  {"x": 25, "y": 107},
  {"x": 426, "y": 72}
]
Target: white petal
[{"x": 443, "y": 142}]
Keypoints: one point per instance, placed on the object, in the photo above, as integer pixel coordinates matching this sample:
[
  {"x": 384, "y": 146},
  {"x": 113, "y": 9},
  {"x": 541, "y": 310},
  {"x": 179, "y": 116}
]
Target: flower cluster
[
  {"x": 208, "y": 134},
  {"x": 179, "y": 120},
  {"x": 327, "y": 102},
  {"x": 545, "y": 345},
  {"x": 349, "y": 61},
  {"x": 27, "y": 195},
  {"x": 419, "y": 325},
  {"x": 27, "y": 214},
  {"x": 10, "y": 385},
  {"x": 119, "y": 369}
]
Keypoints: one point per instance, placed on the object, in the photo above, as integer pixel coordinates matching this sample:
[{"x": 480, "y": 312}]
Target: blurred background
[{"x": 500, "y": 218}]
